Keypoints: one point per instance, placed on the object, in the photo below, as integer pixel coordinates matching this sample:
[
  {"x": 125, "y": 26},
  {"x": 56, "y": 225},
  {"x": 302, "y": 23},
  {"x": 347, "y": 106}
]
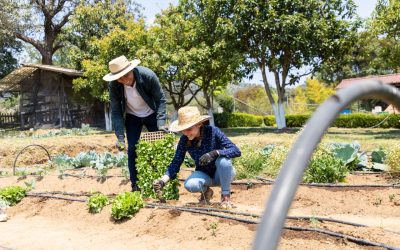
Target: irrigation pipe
[
  {"x": 200, "y": 211},
  {"x": 32, "y": 145},
  {"x": 283, "y": 192},
  {"x": 327, "y": 232},
  {"x": 268, "y": 181}
]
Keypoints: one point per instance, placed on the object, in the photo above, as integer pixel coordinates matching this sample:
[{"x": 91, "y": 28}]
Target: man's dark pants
[{"x": 133, "y": 126}]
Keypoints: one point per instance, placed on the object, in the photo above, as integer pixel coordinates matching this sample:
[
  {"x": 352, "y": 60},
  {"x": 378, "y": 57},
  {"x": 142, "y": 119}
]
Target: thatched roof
[{"x": 12, "y": 81}]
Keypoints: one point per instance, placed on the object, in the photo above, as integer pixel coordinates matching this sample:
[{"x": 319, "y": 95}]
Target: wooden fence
[{"x": 11, "y": 119}]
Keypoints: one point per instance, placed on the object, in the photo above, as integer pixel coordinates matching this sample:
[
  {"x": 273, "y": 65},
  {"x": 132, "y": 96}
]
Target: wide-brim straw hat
[
  {"x": 119, "y": 67},
  {"x": 187, "y": 117}
]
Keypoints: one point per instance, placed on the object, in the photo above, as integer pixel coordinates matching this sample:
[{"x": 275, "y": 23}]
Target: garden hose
[
  {"x": 290, "y": 175},
  {"x": 32, "y": 145}
]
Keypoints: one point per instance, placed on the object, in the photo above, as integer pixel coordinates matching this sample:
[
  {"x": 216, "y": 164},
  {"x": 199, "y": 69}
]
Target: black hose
[
  {"x": 200, "y": 211},
  {"x": 269, "y": 181},
  {"x": 330, "y": 233},
  {"x": 32, "y": 145},
  {"x": 54, "y": 197},
  {"x": 344, "y": 236}
]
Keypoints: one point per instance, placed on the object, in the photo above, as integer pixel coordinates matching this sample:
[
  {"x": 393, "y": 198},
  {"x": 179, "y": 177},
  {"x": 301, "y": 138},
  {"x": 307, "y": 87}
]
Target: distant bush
[{"x": 231, "y": 120}]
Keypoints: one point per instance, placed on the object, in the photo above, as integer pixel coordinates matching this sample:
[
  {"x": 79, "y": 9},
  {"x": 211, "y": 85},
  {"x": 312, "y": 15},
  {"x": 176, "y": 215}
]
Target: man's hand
[
  {"x": 158, "y": 185},
  {"x": 120, "y": 144},
  {"x": 207, "y": 158},
  {"x": 164, "y": 128}
]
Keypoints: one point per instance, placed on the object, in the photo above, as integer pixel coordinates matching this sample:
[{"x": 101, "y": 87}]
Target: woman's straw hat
[
  {"x": 187, "y": 117},
  {"x": 120, "y": 66}
]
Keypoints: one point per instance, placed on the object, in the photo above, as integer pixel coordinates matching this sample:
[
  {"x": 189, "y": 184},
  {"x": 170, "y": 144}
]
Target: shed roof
[
  {"x": 11, "y": 82},
  {"x": 392, "y": 79}
]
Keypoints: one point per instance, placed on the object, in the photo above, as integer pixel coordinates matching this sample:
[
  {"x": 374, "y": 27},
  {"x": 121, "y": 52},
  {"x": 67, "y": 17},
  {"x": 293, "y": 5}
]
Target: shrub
[
  {"x": 126, "y": 205},
  {"x": 275, "y": 157},
  {"x": 96, "y": 202},
  {"x": 250, "y": 164},
  {"x": 393, "y": 159},
  {"x": 269, "y": 120},
  {"x": 325, "y": 168},
  {"x": 296, "y": 120},
  {"x": 12, "y": 194},
  {"x": 152, "y": 161},
  {"x": 229, "y": 120}
]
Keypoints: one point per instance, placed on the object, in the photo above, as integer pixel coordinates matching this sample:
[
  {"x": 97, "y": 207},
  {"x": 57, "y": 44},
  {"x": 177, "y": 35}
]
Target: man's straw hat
[
  {"x": 187, "y": 117},
  {"x": 119, "y": 67}
]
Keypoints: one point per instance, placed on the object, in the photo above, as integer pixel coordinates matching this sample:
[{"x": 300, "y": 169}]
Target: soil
[{"x": 46, "y": 223}]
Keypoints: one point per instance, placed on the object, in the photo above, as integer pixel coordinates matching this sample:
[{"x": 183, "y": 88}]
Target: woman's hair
[{"x": 200, "y": 139}]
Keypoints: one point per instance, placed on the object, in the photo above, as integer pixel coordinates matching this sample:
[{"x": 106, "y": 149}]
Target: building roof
[
  {"x": 11, "y": 82},
  {"x": 392, "y": 79}
]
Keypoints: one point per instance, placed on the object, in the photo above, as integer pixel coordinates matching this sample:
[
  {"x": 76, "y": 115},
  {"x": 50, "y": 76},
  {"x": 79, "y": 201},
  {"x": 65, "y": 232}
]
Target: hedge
[
  {"x": 356, "y": 120},
  {"x": 231, "y": 120}
]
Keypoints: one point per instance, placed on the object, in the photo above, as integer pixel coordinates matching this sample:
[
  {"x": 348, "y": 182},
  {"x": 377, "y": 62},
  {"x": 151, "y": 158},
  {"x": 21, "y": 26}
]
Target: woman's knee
[
  {"x": 193, "y": 185},
  {"x": 224, "y": 163}
]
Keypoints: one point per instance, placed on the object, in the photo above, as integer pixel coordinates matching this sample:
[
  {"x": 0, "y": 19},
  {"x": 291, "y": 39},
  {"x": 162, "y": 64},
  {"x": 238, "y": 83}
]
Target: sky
[{"x": 152, "y": 7}]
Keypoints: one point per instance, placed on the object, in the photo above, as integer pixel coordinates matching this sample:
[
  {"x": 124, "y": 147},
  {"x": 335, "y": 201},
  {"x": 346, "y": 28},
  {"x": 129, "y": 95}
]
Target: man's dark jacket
[{"x": 148, "y": 87}]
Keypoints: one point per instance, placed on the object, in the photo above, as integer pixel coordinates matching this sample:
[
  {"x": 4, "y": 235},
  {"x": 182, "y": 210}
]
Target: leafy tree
[
  {"x": 298, "y": 103},
  {"x": 170, "y": 52},
  {"x": 44, "y": 30},
  {"x": 284, "y": 36},
  {"x": 91, "y": 22},
  {"x": 226, "y": 101},
  {"x": 316, "y": 92},
  {"x": 219, "y": 58},
  {"x": 253, "y": 99},
  {"x": 8, "y": 48}
]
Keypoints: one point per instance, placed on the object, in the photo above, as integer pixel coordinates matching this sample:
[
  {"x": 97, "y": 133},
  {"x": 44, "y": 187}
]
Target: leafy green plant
[
  {"x": 325, "y": 168},
  {"x": 152, "y": 161},
  {"x": 12, "y": 194},
  {"x": 378, "y": 155},
  {"x": 125, "y": 205},
  {"x": 275, "y": 157},
  {"x": 391, "y": 197},
  {"x": 347, "y": 152},
  {"x": 250, "y": 164},
  {"x": 96, "y": 202},
  {"x": 393, "y": 159}
]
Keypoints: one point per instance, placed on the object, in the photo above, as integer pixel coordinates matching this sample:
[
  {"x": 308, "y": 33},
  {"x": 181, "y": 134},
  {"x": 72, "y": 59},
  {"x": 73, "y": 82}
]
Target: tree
[
  {"x": 8, "y": 48},
  {"x": 219, "y": 58},
  {"x": 90, "y": 23},
  {"x": 170, "y": 52},
  {"x": 283, "y": 37},
  {"x": 44, "y": 30},
  {"x": 253, "y": 99}
]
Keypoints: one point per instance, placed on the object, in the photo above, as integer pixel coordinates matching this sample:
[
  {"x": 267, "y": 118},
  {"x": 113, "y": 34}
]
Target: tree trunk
[
  {"x": 210, "y": 113},
  {"x": 107, "y": 116},
  {"x": 279, "y": 112}
]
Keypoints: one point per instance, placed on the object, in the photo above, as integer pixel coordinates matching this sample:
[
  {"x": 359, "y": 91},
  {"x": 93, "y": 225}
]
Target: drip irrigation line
[
  {"x": 327, "y": 232},
  {"x": 344, "y": 236},
  {"x": 340, "y": 185},
  {"x": 31, "y": 145},
  {"x": 367, "y": 172},
  {"x": 200, "y": 211},
  {"x": 54, "y": 197}
]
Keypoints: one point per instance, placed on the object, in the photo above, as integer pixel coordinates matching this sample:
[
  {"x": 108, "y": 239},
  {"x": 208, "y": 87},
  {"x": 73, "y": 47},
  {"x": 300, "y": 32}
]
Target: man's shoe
[
  {"x": 135, "y": 188},
  {"x": 206, "y": 196}
]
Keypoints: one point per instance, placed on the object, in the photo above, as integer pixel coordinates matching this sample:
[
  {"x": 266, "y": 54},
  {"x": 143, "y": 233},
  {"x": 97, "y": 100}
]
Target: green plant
[
  {"x": 377, "y": 202},
  {"x": 392, "y": 197},
  {"x": 213, "y": 227},
  {"x": 275, "y": 157},
  {"x": 12, "y": 194},
  {"x": 125, "y": 205},
  {"x": 152, "y": 161},
  {"x": 96, "y": 202},
  {"x": 30, "y": 185},
  {"x": 325, "y": 168},
  {"x": 393, "y": 159},
  {"x": 250, "y": 164}
]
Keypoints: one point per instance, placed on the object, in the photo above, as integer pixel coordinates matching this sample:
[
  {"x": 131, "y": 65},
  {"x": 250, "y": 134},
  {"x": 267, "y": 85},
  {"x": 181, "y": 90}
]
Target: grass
[{"x": 369, "y": 139}]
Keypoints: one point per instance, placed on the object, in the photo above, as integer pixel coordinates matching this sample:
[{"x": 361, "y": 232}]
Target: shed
[
  {"x": 47, "y": 98},
  {"x": 391, "y": 79}
]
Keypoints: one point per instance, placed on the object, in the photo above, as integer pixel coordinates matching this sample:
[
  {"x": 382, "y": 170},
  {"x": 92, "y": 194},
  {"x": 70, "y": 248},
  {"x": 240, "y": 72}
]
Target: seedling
[{"x": 392, "y": 197}]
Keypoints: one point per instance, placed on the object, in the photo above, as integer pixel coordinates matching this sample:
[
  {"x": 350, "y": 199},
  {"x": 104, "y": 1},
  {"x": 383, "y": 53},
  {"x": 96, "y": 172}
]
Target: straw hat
[
  {"x": 187, "y": 117},
  {"x": 119, "y": 67}
]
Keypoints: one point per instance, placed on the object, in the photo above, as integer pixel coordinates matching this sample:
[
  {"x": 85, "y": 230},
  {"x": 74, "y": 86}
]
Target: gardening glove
[
  {"x": 120, "y": 144},
  {"x": 207, "y": 158},
  {"x": 163, "y": 128},
  {"x": 158, "y": 186}
]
